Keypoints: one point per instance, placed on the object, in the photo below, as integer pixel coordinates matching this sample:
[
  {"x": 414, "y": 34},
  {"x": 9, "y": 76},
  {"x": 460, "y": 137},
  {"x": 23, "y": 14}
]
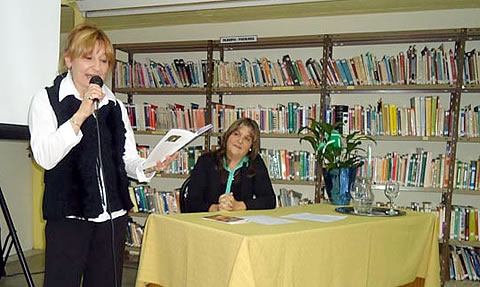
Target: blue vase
[{"x": 338, "y": 183}]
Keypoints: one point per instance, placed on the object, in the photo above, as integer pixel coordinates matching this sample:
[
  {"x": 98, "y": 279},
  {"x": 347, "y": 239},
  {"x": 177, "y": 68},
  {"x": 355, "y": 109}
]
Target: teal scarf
[{"x": 231, "y": 173}]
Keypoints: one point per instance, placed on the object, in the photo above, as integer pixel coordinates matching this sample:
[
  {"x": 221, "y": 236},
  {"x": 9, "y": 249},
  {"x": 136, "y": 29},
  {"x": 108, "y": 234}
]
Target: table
[{"x": 186, "y": 250}]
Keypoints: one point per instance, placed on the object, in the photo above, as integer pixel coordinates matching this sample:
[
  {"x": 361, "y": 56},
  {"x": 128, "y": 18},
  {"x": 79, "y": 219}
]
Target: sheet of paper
[
  {"x": 315, "y": 217},
  {"x": 267, "y": 220}
]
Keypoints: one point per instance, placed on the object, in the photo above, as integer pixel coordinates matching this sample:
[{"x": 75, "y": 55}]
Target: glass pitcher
[{"x": 362, "y": 196}]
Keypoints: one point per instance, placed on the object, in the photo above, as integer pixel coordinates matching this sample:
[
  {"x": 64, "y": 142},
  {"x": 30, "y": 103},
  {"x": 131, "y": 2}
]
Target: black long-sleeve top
[{"x": 208, "y": 183}]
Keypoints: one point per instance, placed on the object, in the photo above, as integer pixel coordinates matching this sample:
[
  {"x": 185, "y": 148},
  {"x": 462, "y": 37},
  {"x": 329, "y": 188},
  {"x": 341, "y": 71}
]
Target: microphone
[{"x": 97, "y": 81}]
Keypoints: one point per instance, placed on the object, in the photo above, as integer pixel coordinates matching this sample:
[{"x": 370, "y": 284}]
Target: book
[
  {"x": 226, "y": 219},
  {"x": 173, "y": 141}
]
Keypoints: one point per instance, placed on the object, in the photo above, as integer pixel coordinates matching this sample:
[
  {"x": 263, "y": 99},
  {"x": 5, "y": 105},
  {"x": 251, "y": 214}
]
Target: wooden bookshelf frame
[{"x": 328, "y": 43}]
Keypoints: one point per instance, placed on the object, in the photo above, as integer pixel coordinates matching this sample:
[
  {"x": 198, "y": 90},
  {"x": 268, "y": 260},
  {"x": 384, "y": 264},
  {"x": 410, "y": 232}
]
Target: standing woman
[
  {"x": 86, "y": 195},
  {"x": 234, "y": 177}
]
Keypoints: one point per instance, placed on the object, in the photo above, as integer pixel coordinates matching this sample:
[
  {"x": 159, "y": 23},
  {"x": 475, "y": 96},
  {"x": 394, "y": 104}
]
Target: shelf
[
  {"x": 466, "y": 191},
  {"x": 268, "y": 135},
  {"x": 131, "y": 248},
  {"x": 396, "y": 37},
  {"x": 443, "y": 88},
  {"x": 428, "y": 189},
  {"x": 410, "y": 188},
  {"x": 469, "y": 140},
  {"x": 292, "y": 182},
  {"x": 411, "y": 138},
  {"x": 473, "y": 34},
  {"x": 139, "y": 214},
  {"x": 308, "y": 41},
  {"x": 269, "y": 90},
  {"x": 471, "y": 89},
  {"x": 169, "y": 175},
  {"x": 161, "y": 91},
  {"x": 150, "y": 132},
  {"x": 377, "y": 138},
  {"x": 163, "y": 47},
  {"x": 464, "y": 243},
  {"x": 274, "y": 181}
]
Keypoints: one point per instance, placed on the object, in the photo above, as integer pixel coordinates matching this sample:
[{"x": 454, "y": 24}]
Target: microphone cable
[{"x": 107, "y": 202}]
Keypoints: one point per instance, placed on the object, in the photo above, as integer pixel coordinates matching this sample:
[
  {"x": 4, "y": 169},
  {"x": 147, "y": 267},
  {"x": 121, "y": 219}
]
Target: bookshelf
[{"x": 325, "y": 93}]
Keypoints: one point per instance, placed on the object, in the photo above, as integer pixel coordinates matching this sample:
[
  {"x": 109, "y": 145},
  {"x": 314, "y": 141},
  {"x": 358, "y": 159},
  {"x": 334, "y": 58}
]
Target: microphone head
[{"x": 97, "y": 81}]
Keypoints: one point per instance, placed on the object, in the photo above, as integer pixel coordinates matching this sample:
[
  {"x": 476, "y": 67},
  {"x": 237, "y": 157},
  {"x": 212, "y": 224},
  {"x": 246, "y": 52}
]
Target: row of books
[
  {"x": 422, "y": 169},
  {"x": 134, "y": 235},
  {"x": 281, "y": 119},
  {"x": 469, "y": 121},
  {"x": 464, "y": 223},
  {"x": 290, "y": 197},
  {"x": 466, "y": 175},
  {"x": 424, "y": 117},
  {"x": 289, "y": 165},
  {"x": 464, "y": 263},
  {"x": 428, "y": 66},
  {"x": 266, "y": 73},
  {"x": 149, "y": 200},
  {"x": 150, "y": 117},
  {"x": 183, "y": 164},
  {"x": 179, "y": 74},
  {"x": 471, "y": 67}
]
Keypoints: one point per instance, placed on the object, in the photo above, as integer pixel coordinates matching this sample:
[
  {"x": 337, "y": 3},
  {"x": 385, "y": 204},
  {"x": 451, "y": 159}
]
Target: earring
[{"x": 250, "y": 149}]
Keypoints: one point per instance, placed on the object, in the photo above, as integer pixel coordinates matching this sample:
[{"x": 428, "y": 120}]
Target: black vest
[{"x": 72, "y": 187}]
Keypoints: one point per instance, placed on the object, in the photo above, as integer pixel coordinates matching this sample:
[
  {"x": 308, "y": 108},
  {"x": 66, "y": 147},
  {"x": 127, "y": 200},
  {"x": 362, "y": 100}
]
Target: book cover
[
  {"x": 225, "y": 219},
  {"x": 173, "y": 141}
]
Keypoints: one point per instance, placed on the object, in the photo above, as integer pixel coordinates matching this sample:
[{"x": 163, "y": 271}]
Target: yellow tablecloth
[{"x": 186, "y": 250}]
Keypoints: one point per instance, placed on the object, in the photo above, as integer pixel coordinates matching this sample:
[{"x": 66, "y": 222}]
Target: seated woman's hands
[{"x": 228, "y": 202}]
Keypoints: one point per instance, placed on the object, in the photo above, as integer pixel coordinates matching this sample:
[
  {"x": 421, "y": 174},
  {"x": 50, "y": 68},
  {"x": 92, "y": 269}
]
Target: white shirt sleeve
[
  {"x": 50, "y": 144},
  {"x": 133, "y": 162}
]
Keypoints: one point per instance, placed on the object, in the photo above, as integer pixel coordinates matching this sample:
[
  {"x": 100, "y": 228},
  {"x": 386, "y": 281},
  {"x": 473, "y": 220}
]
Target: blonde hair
[{"x": 82, "y": 40}]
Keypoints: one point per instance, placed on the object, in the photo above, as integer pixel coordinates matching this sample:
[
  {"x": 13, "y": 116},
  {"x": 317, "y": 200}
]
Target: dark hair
[
  {"x": 81, "y": 41},
  {"x": 255, "y": 148}
]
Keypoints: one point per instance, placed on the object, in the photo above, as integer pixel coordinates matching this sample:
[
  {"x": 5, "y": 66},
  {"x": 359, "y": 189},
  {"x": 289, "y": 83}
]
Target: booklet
[
  {"x": 173, "y": 141},
  {"x": 226, "y": 219}
]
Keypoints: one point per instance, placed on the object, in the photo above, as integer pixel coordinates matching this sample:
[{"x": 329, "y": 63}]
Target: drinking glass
[{"x": 392, "y": 189}]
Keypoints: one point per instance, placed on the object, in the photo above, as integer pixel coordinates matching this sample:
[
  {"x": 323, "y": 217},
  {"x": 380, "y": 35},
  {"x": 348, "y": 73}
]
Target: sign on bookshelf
[{"x": 238, "y": 39}]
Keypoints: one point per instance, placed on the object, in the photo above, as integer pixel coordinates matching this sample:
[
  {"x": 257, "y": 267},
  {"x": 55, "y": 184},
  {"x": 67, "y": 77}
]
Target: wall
[
  {"x": 441, "y": 19},
  {"x": 16, "y": 183}
]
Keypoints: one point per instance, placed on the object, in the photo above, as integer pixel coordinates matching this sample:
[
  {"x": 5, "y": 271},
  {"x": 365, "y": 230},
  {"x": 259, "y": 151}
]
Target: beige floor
[
  {"x": 16, "y": 278},
  {"x": 35, "y": 259}
]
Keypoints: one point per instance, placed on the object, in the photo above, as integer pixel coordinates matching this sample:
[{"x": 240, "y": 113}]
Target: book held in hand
[
  {"x": 226, "y": 219},
  {"x": 173, "y": 141}
]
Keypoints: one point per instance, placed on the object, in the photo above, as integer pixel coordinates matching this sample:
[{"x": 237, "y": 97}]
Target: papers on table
[
  {"x": 270, "y": 220},
  {"x": 226, "y": 219},
  {"x": 315, "y": 217},
  {"x": 267, "y": 220}
]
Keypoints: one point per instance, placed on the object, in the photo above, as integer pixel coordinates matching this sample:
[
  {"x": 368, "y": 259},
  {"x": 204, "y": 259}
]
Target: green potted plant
[{"x": 338, "y": 156}]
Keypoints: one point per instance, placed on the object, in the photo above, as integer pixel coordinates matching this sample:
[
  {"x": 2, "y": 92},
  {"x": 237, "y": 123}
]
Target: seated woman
[{"x": 234, "y": 177}]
